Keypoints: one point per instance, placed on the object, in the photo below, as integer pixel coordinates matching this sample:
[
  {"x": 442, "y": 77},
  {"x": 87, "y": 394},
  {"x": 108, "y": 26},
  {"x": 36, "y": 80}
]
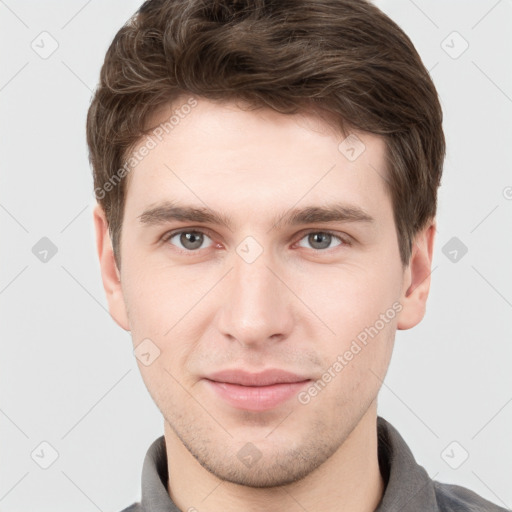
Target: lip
[
  {"x": 264, "y": 378},
  {"x": 256, "y": 391}
]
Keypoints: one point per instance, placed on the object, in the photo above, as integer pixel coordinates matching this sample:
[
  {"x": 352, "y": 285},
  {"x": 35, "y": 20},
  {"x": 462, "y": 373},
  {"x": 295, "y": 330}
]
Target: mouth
[{"x": 256, "y": 391}]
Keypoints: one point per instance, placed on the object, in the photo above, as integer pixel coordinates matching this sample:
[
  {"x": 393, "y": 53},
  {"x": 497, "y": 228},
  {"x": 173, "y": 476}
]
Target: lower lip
[{"x": 256, "y": 398}]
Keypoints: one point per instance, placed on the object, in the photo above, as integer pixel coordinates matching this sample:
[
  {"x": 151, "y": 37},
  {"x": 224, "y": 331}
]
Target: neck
[{"x": 350, "y": 480}]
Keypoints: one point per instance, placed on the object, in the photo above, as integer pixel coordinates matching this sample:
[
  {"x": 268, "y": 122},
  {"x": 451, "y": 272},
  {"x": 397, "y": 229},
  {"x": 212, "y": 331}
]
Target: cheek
[
  {"x": 360, "y": 305},
  {"x": 156, "y": 297},
  {"x": 349, "y": 299},
  {"x": 353, "y": 371},
  {"x": 164, "y": 305}
]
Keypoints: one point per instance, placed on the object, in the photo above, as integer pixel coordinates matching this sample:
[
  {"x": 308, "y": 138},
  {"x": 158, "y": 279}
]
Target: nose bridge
[{"x": 256, "y": 307}]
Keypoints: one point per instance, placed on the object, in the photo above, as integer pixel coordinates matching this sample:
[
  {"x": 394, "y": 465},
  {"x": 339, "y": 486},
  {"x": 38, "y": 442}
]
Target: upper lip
[{"x": 264, "y": 378}]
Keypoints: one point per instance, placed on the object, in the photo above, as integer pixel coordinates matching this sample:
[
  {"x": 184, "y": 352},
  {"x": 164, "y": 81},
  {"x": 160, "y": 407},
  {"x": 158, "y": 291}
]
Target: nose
[{"x": 258, "y": 306}]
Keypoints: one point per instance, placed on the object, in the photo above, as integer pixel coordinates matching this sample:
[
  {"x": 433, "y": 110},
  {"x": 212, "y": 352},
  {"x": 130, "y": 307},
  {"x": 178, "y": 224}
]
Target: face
[{"x": 261, "y": 277}]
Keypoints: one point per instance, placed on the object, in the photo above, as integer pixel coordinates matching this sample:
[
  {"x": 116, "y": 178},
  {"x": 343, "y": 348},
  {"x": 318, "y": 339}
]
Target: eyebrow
[{"x": 337, "y": 212}]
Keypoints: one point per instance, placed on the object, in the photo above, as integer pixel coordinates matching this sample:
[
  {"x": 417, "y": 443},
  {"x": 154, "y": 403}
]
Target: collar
[{"x": 408, "y": 487}]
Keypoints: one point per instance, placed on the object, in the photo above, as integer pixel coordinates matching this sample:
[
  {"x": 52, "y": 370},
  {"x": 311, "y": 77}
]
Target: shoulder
[
  {"x": 455, "y": 498},
  {"x": 136, "y": 507}
]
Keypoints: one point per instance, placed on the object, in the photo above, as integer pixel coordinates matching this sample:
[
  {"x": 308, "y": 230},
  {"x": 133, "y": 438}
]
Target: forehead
[{"x": 225, "y": 153}]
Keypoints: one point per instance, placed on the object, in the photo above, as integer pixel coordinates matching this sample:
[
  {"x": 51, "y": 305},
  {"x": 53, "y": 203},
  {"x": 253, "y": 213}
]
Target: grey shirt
[{"x": 408, "y": 486}]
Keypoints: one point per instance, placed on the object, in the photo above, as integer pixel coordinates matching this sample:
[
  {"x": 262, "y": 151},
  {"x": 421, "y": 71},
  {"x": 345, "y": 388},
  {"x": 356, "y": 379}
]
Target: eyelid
[
  {"x": 170, "y": 234},
  {"x": 342, "y": 237},
  {"x": 345, "y": 240}
]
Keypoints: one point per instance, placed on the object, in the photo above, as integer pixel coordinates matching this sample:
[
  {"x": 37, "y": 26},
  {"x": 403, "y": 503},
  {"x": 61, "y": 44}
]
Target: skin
[{"x": 296, "y": 307}]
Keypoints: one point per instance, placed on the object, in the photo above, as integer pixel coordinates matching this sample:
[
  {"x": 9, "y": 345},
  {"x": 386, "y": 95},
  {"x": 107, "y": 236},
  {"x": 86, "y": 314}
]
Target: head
[{"x": 266, "y": 176}]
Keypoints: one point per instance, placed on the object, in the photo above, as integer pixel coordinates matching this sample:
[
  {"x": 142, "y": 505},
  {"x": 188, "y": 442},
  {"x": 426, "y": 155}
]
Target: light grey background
[{"x": 67, "y": 372}]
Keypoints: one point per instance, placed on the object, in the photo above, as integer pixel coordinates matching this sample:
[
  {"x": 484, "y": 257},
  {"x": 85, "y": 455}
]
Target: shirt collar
[{"x": 408, "y": 487}]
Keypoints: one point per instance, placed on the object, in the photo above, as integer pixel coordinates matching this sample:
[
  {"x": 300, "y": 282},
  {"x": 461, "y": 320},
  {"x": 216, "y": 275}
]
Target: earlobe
[
  {"x": 110, "y": 274},
  {"x": 417, "y": 279}
]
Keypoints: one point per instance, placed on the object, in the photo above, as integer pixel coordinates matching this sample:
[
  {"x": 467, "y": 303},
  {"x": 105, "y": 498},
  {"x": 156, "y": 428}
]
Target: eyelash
[{"x": 166, "y": 237}]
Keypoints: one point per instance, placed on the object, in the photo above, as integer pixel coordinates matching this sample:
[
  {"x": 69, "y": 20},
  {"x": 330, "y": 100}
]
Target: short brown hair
[{"x": 342, "y": 57}]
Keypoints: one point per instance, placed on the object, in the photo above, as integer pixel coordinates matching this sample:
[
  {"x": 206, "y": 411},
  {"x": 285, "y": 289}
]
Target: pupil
[
  {"x": 192, "y": 239},
  {"x": 320, "y": 238}
]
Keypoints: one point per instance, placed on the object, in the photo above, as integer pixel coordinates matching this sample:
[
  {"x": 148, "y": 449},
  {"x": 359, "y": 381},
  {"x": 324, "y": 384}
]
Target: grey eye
[
  {"x": 189, "y": 240},
  {"x": 320, "y": 240}
]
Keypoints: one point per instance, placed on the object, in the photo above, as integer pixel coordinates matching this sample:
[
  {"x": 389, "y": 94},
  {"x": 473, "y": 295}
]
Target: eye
[
  {"x": 321, "y": 240},
  {"x": 193, "y": 240},
  {"x": 190, "y": 240}
]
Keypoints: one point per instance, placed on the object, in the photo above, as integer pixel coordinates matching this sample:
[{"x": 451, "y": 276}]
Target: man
[{"x": 266, "y": 175}]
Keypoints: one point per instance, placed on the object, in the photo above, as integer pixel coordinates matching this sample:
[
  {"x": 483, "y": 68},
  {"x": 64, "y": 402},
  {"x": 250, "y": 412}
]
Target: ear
[
  {"x": 416, "y": 283},
  {"x": 110, "y": 274}
]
